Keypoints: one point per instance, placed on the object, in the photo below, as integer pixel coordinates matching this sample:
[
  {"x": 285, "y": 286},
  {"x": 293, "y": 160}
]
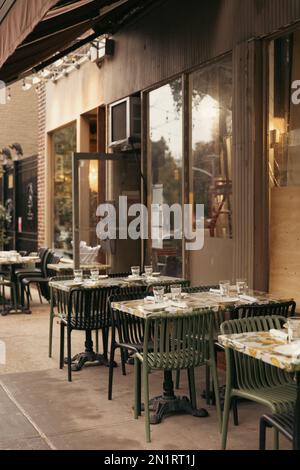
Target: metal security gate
[{"x": 20, "y": 199}]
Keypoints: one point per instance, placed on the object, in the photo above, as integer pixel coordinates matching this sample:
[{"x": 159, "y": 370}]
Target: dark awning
[
  {"x": 60, "y": 29},
  {"x": 17, "y": 20}
]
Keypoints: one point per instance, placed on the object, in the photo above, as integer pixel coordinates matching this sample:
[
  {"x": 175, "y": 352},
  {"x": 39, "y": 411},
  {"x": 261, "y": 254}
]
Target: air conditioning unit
[{"x": 125, "y": 123}]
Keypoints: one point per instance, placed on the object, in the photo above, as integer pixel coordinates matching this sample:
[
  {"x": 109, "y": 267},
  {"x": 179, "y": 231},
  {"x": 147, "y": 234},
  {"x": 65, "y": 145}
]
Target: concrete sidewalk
[{"x": 40, "y": 410}]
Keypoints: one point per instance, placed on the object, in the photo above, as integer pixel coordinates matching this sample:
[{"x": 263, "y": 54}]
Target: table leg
[
  {"x": 169, "y": 403},
  {"x": 296, "y": 443},
  {"x": 88, "y": 356}
]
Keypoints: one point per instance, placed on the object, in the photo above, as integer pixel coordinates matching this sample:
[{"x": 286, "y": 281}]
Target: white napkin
[
  {"x": 279, "y": 334},
  {"x": 215, "y": 291},
  {"x": 179, "y": 304},
  {"x": 150, "y": 298},
  {"x": 292, "y": 350},
  {"x": 248, "y": 298},
  {"x": 154, "y": 307}
]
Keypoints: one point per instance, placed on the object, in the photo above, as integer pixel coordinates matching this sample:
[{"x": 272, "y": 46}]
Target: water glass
[
  {"x": 135, "y": 271},
  {"x": 241, "y": 286},
  {"x": 78, "y": 275},
  {"x": 176, "y": 292},
  {"x": 148, "y": 271},
  {"x": 224, "y": 288},
  {"x": 94, "y": 274},
  {"x": 293, "y": 324},
  {"x": 158, "y": 292}
]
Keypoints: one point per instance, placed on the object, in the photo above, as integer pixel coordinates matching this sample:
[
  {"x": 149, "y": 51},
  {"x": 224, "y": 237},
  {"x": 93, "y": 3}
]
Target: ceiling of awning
[
  {"x": 67, "y": 23},
  {"x": 17, "y": 20}
]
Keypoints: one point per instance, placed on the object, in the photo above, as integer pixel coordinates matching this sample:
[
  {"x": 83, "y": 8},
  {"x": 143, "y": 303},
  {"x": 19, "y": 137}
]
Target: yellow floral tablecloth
[{"x": 261, "y": 345}]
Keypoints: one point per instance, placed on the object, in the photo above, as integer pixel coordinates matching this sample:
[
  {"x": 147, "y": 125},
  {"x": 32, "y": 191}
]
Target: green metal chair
[
  {"x": 195, "y": 290},
  {"x": 58, "y": 306},
  {"x": 127, "y": 330},
  {"x": 174, "y": 342},
  {"x": 87, "y": 310},
  {"x": 252, "y": 379}
]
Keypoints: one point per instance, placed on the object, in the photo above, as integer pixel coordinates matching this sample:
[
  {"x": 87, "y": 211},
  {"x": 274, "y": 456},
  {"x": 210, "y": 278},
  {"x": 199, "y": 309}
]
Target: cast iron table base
[
  {"x": 169, "y": 403},
  {"x": 89, "y": 356}
]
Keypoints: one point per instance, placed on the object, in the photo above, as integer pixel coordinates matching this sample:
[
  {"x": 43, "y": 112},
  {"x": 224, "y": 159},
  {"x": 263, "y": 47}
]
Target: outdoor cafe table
[
  {"x": 14, "y": 262},
  {"x": 68, "y": 268},
  {"x": 262, "y": 346},
  {"x": 89, "y": 355},
  {"x": 169, "y": 402}
]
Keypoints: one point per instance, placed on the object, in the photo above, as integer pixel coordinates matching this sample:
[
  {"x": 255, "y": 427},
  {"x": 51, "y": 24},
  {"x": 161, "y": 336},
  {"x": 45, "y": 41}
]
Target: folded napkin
[
  {"x": 278, "y": 334},
  {"x": 150, "y": 298},
  {"x": 178, "y": 304},
  {"x": 215, "y": 291},
  {"x": 154, "y": 307},
  {"x": 291, "y": 350},
  {"x": 248, "y": 298}
]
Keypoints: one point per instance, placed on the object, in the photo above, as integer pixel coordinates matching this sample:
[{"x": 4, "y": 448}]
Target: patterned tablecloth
[
  {"x": 263, "y": 346},
  {"x": 195, "y": 301},
  {"x": 115, "y": 282}
]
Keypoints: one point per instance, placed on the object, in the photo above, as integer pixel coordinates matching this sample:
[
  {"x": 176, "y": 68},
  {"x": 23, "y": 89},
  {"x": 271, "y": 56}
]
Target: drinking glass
[
  {"x": 135, "y": 271},
  {"x": 224, "y": 288},
  {"x": 176, "y": 292},
  {"x": 148, "y": 271},
  {"x": 241, "y": 286},
  {"x": 94, "y": 274},
  {"x": 78, "y": 275},
  {"x": 293, "y": 324},
  {"x": 158, "y": 292}
]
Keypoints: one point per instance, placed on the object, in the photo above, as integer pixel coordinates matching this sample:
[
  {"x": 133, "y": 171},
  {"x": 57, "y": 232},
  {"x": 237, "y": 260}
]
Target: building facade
[{"x": 218, "y": 86}]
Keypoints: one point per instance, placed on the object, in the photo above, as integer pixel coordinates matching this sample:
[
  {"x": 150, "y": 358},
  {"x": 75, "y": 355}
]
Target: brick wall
[
  {"x": 19, "y": 120},
  {"x": 42, "y": 166}
]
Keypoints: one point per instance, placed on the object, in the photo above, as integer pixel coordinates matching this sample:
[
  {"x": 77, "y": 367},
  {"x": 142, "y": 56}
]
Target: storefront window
[
  {"x": 64, "y": 144},
  {"x": 284, "y": 111},
  {"x": 211, "y": 146},
  {"x": 165, "y": 147}
]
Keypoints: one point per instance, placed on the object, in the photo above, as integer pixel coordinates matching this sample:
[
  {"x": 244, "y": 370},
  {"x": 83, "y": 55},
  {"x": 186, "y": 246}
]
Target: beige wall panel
[{"x": 285, "y": 241}]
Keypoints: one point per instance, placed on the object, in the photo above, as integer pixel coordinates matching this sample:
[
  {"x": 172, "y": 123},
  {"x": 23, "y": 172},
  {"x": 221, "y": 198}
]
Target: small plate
[{"x": 155, "y": 307}]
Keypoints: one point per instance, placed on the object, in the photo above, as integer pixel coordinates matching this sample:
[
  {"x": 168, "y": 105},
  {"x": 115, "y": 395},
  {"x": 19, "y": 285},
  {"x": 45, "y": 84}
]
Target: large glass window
[
  {"x": 64, "y": 144},
  {"x": 165, "y": 148},
  {"x": 211, "y": 146},
  {"x": 284, "y": 111}
]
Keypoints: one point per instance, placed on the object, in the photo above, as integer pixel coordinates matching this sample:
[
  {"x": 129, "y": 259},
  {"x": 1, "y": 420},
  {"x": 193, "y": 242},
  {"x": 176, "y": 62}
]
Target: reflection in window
[
  {"x": 210, "y": 168},
  {"x": 284, "y": 111},
  {"x": 165, "y": 146},
  {"x": 64, "y": 144}
]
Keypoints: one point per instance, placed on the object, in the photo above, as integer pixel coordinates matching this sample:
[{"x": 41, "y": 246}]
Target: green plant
[{"x": 5, "y": 219}]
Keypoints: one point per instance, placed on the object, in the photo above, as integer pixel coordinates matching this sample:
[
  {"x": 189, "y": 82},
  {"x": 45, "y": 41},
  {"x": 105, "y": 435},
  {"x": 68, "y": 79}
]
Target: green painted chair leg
[
  {"x": 226, "y": 417},
  {"x": 97, "y": 340},
  {"x": 192, "y": 387},
  {"x": 137, "y": 388},
  {"x": 214, "y": 374},
  {"x": 51, "y": 333},
  {"x": 177, "y": 379},
  {"x": 146, "y": 402},
  {"x": 275, "y": 439}
]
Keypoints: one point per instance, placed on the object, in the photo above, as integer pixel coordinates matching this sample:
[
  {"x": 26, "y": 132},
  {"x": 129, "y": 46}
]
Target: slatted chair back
[
  {"x": 88, "y": 308},
  {"x": 130, "y": 328},
  {"x": 195, "y": 290},
  {"x": 284, "y": 309},
  {"x": 248, "y": 372},
  {"x": 177, "y": 341},
  {"x": 132, "y": 290},
  {"x": 184, "y": 285},
  {"x": 115, "y": 275}
]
